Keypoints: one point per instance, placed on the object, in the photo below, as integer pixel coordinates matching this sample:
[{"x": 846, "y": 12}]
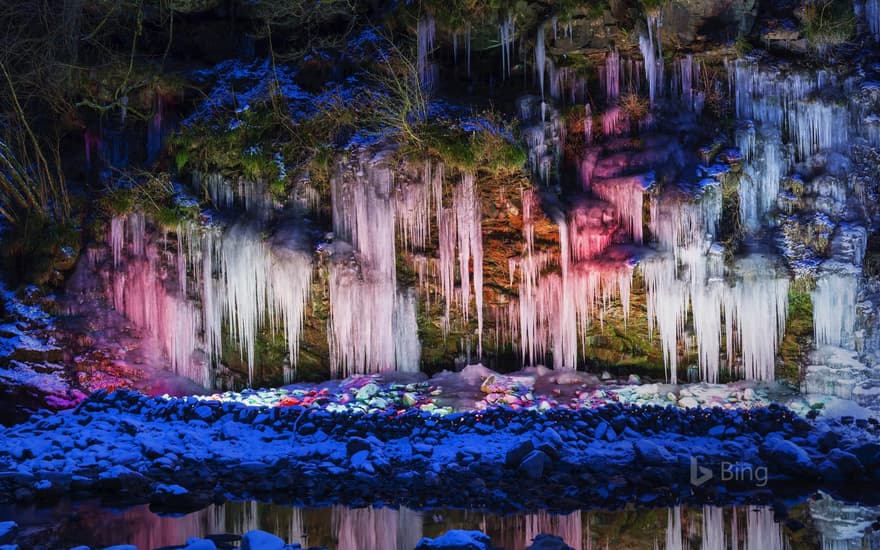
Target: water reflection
[{"x": 829, "y": 524}]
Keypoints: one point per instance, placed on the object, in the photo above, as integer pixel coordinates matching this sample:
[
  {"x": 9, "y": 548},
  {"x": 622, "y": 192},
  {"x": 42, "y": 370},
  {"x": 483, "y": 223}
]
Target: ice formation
[
  {"x": 834, "y": 304},
  {"x": 554, "y": 310},
  {"x": 755, "y": 314},
  {"x": 241, "y": 282},
  {"x": 689, "y": 278},
  {"x": 461, "y": 243},
  {"x": 363, "y": 279},
  {"x": 591, "y": 224},
  {"x": 612, "y": 76},
  {"x": 872, "y": 14},
  {"x": 758, "y": 531},
  {"x": 540, "y": 59},
  {"x": 139, "y": 292},
  {"x": 425, "y": 30},
  {"x": 627, "y": 195},
  {"x": 686, "y": 81},
  {"x": 653, "y": 55},
  {"x": 507, "y": 34},
  {"x": 784, "y": 108}
]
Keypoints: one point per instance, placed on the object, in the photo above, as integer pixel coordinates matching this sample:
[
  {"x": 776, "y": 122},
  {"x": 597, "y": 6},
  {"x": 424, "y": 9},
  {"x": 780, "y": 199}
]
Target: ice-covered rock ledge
[{"x": 186, "y": 452}]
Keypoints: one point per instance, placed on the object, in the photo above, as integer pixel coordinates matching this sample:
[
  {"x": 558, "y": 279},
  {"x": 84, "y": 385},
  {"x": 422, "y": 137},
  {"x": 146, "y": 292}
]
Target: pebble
[
  {"x": 688, "y": 402},
  {"x": 367, "y": 392}
]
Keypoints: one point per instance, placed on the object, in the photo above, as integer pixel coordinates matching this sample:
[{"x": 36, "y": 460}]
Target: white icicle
[
  {"x": 425, "y": 45},
  {"x": 612, "y": 76},
  {"x": 653, "y": 55},
  {"x": 540, "y": 58},
  {"x": 834, "y": 304}
]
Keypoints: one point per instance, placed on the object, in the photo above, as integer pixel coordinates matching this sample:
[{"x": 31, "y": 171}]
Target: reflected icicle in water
[
  {"x": 838, "y": 525},
  {"x": 376, "y": 528}
]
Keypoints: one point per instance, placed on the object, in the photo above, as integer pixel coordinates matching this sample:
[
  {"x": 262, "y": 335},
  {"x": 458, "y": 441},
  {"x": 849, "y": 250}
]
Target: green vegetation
[
  {"x": 828, "y": 24},
  {"x": 152, "y": 194},
  {"x": 469, "y": 151},
  {"x": 31, "y": 180},
  {"x": 798, "y": 336},
  {"x": 653, "y": 5},
  {"x": 39, "y": 250},
  {"x": 743, "y": 46}
]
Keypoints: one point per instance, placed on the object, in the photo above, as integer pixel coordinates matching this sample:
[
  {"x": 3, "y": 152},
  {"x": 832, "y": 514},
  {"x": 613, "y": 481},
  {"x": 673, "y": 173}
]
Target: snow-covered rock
[
  {"x": 549, "y": 542},
  {"x": 8, "y": 531},
  {"x": 457, "y": 540},
  {"x": 261, "y": 540},
  {"x": 200, "y": 544}
]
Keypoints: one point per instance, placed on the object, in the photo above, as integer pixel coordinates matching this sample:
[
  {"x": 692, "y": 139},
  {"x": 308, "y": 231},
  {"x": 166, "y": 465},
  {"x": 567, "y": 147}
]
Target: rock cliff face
[{"x": 601, "y": 186}]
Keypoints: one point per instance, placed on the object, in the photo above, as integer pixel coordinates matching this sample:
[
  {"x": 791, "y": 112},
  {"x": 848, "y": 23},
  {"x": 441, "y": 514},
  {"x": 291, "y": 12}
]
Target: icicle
[
  {"x": 507, "y": 34},
  {"x": 540, "y": 58},
  {"x": 612, "y": 76},
  {"x": 425, "y": 38},
  {"x": 626, "y": 194},
  {"x": 467, "y": 207},
  {"x": 361, "y": 319},
  {"x": 447, "y": 261},
  {"x": 588, "y": 125},
  {"x": 407, "y": 348},
  {"x": 212, "y": 303},
  {"x": 673, "y": 529},
  {"x": 762, "y": 530},
  {"x": 413, "y": 210},
  {"x": 834, "y": 304},
  {"x": 243, "y": 257},
  {"x": 289, "y": 280},
  {"x": 567, "y": 527},
  {"x": 872, "y": 14},
  {"x": 713, "y": 529},
  {"x": 137, "y": 290},
  {"x": 586, "y": 168},
  {"x": 667, "y": 307},
  {"x": 653, "y": 55},
  {"x": 363, "y": 285},
  {"x": 758, "y": 307},
  {"x": 613, "y": 121},
  {"x": 555, "y": 310},
  {"x": 117, "y": 238},
  {"x": 764, "y": 167},
  {"x": 181, "y": 263},
  {"x": 592, "y": 224},
  {"x": 780, "y": 103},
  {"x": 688, "y": 70},
  {"x": 123, "y": 110}
]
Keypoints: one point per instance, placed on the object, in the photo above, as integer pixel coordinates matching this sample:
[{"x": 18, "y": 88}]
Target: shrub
[{"x": 828, "y": 24}]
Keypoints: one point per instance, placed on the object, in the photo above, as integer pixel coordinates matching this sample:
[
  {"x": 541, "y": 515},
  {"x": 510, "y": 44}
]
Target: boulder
[
  {"x": 457, "y": 540},
  {"x": 652, "y": 454},
  {"x": 787, "y": 457},
  {"x": 261, "y": 540},
  {"x": 848, "y": 463},
  {"x": 549, "y": 542},
  {"x": 534, "y": 465},
  {"x": 8, "y": 531},
  {"x": 200, "y": 544},
  {"x": 518, "y": 452}
]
